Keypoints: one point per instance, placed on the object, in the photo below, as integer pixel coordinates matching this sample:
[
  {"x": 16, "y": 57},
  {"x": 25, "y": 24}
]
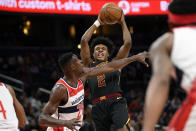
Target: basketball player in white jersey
[
  {"x": 178, "y": 48},
  {"x": 64, "y": 110},
  {"x": 12, "y": 114}
]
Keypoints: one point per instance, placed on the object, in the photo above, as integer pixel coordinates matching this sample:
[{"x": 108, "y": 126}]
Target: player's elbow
[
  {"x": 83, "y": 40},
  {"x": 22, "y": 123},
  {"x": 21, "y": 116},
  {"x": 42, "y": 119},
  {"x": 162, "y": 80},
  {"x": 128, "y": 44}
]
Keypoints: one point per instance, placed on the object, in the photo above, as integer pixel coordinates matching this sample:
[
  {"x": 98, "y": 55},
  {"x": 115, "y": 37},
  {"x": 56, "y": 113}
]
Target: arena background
[{"x": 32, "y": 38}]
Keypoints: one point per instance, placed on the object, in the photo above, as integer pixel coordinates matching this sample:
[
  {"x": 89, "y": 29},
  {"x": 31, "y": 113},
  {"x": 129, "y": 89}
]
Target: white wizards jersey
[
  {"x": 8, "y": 119},
  {"x": 184, "y": 54},
  {"x": 73, "y": 108}
]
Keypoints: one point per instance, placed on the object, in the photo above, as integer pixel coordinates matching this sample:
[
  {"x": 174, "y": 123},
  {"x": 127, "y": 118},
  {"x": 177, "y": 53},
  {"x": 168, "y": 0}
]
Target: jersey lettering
[
  {"x": 2, "y": 110},
  {"x": 101, "y": 80}
]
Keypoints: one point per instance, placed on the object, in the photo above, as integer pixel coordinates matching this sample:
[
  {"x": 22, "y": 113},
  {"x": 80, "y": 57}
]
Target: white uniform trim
[
  {"x": 191, "y": 122},
  {"x": 11, "y": 121},
  {"x": 184, "y": 54}
]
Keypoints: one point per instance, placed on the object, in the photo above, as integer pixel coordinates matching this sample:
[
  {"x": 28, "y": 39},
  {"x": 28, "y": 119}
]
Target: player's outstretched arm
[
  {"x": 58, "y": 94},
  {"x": 20, "y": 113},
  {"x": 85, "y": 50},
  {"x": 158, "y": 88},
  {"x": 114, "y": 65},
  {"x": 125, "y": 48}
]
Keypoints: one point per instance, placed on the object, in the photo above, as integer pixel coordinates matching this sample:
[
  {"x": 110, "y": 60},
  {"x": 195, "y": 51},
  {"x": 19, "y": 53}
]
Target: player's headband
[{"x": 182, "y": 19}]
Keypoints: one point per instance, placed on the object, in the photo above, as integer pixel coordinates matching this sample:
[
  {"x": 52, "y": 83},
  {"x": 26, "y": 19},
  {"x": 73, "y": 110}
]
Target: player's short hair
[
  {"x": 182, "y": 7},
  {"x": 102, "y": 40},
  {"x": 65, "y": 59}
]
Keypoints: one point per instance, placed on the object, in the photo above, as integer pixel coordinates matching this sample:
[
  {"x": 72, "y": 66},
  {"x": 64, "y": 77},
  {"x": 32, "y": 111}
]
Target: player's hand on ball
[
  {"x": 110, "y": 13},
  {"x": 141, "y": 57},
  {"x": 122, "y": 19},
  {"x": 100, "y": 21}
]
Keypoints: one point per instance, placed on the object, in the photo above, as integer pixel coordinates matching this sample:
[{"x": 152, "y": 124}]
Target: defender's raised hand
[
  {"x": 100, "y": 20},
  {"x": 122, "y": 18}
]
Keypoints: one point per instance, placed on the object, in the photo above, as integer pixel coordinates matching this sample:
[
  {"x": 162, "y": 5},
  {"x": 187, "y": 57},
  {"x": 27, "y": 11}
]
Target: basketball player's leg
[
  {"x": 101, "y": 125},
  {"x": 100, "y": 118},
  {"x": 120, "y": 117}
]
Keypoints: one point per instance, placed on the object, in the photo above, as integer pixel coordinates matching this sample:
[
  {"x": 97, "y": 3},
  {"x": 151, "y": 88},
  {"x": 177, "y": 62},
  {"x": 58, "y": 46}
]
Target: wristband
[{"x": 97, "y": 23}]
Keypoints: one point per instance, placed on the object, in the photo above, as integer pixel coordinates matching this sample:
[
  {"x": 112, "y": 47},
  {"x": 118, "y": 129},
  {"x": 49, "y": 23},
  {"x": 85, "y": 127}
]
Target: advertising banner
[{"x": 84, "y": 7}]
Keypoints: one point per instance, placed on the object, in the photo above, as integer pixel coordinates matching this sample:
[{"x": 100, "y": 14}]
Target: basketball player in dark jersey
[
  {"x": 174, "y": 48},
  {"x": 74, "y": 71},
  {"x": 109, "y": 111}
]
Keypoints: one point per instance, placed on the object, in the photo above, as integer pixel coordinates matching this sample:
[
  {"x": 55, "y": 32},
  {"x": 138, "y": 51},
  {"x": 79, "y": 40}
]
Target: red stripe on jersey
[
  {"x": 1, "y": 84},
  {"x": 61, "y": 128},
  {"x": 55, "y": 128},
  {"x": 71, "y": 90},
  {"x": 58, "y": 128},
  {"x": 180, "y": 118}
]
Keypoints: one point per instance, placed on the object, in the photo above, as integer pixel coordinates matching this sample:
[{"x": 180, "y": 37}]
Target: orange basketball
[{"x": 110, "y": 13}]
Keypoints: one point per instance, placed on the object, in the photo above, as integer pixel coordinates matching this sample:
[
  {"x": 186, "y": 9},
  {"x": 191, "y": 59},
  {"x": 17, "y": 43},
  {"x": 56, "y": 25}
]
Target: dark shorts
[{"x": 110, "y": 115}]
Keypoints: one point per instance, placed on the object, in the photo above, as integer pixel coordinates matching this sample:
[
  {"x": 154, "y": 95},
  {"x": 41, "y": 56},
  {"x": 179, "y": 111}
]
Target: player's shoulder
[
  {"x": 10, "y": 89},
  {"x": 58, "y": 88},
  {"x": 167, "y": 35},
  {"x": 164, "y": 41},
  {"x": 58, "y": 91}
]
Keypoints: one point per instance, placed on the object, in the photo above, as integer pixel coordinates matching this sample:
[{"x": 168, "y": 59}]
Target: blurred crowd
[{"x": 39, "y": 70}]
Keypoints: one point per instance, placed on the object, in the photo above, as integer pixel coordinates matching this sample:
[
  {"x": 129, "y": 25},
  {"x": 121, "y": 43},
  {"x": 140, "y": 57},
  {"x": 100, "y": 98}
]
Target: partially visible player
[
  {"x": 12, "y": 114},
  {"x": 64, "y": 110},
  {"x": 178, "y": 48}
]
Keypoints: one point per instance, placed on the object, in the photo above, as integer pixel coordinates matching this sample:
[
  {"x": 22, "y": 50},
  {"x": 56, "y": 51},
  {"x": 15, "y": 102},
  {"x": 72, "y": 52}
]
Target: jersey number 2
[
  {"x": 2, "y": 110},
  {"x": 101, "y": 80}
]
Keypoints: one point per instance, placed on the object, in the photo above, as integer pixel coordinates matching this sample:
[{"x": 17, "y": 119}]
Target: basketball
[{"x": 110, "y": 13}]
